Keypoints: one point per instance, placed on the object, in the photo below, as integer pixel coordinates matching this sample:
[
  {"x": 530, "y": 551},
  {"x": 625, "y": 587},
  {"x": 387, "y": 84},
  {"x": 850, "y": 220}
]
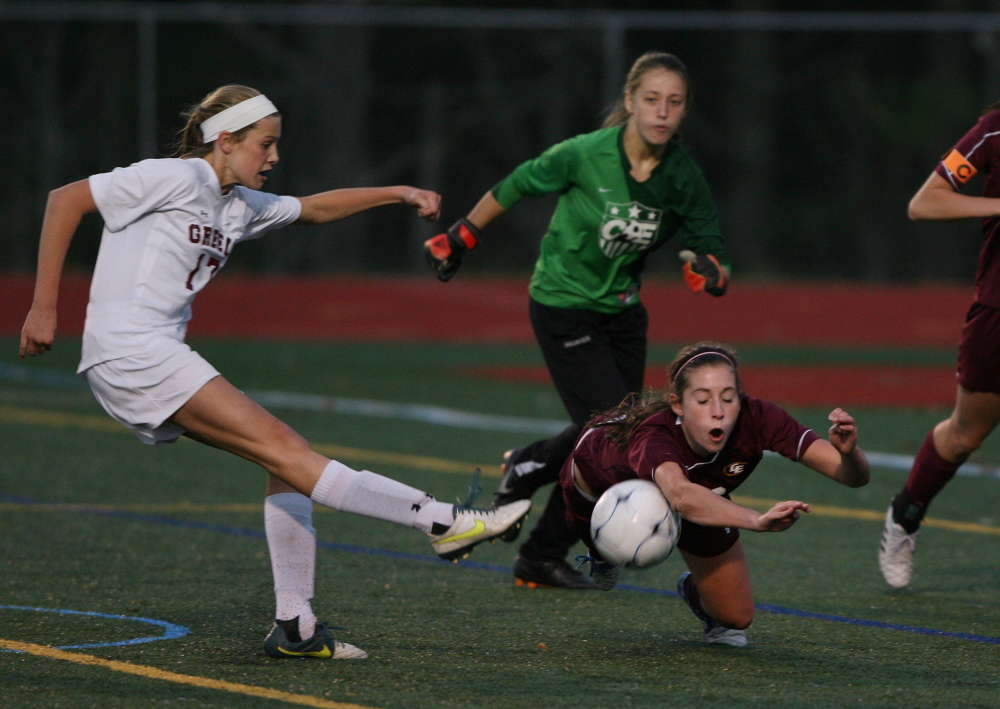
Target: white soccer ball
[{"x": 634, "y": 525}]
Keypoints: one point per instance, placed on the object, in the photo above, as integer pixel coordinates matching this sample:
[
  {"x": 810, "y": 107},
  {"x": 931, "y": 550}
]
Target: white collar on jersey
[{"x": 235, "y": 117}]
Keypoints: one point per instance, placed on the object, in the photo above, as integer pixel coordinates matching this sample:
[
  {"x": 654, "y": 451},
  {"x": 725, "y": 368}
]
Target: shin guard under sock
[
  {"x": 929, "y": 475},
  {"x": 291, "y": 541},
  {"x": 363, "y": 492}
]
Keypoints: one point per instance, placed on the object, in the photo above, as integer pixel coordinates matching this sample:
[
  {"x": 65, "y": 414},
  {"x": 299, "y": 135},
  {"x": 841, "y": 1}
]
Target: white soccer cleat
[
  {"x": 726, "y": 636},
  {"x": 346, "y": 651},
  {"x": 895, "y": 553},
  {"x": 474, "y": 525}
]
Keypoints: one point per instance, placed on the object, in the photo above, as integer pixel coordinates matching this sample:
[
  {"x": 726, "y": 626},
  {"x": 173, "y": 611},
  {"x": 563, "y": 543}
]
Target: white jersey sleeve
[
  {"x": 126, "y": 194},
  {"x": 266, "y": 211}
]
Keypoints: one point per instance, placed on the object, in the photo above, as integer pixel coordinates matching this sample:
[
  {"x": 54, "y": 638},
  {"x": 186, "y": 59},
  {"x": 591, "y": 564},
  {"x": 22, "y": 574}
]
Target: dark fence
[{"x": 814, "y": 129}]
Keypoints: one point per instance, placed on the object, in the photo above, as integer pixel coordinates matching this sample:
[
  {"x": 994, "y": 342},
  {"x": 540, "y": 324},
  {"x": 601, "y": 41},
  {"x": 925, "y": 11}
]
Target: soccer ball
[{"x": 634, "y": 525}]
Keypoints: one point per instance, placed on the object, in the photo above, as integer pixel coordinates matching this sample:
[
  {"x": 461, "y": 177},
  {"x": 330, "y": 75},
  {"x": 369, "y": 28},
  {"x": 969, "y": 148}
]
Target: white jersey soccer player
[
  {"x": 171, "y": 218},
  {"x": 170, "y": 225}
]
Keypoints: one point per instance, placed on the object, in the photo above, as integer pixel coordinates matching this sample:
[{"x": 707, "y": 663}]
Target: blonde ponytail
[{"x": 189, "y": 143}]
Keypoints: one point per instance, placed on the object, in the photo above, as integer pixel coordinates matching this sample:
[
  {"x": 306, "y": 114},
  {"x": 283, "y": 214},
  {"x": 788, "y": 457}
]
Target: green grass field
[{"x": 174, "y": 534}]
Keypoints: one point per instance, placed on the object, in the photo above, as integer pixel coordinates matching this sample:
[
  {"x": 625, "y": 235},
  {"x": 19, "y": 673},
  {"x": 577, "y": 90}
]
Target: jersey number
[{"x": 212, "y": 263}]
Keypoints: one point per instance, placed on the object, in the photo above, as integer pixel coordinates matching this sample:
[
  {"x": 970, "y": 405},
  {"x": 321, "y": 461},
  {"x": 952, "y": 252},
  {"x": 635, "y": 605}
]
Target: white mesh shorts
[{"x": 143, "y": 390}]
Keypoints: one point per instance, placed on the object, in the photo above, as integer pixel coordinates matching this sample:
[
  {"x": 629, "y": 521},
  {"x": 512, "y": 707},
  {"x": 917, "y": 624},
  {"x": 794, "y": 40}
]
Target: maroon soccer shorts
[{"x": 979, "y": 350}]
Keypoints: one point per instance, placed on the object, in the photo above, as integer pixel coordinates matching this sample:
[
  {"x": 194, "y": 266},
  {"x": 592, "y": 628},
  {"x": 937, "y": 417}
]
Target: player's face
[
  {"x": 254, "y": 156},
  {"x": 657, "y": 106},
  {"x": 709, "y": 408}
]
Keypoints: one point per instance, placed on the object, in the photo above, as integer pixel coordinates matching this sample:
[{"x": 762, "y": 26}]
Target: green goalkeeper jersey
[{"x": 606, "y": 222}]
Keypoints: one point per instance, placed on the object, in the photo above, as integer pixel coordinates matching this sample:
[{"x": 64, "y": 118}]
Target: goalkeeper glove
[
  {"x": 705, "y": 273},
  {"x": 444, "y": 252}
]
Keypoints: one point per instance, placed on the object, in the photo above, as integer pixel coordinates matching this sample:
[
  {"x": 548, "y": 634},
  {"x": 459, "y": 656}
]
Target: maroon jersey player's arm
[
  {"x": 839, "y": 458},
  {"x": 939, "y": 198},
  {"x": 702, "y": 506}
]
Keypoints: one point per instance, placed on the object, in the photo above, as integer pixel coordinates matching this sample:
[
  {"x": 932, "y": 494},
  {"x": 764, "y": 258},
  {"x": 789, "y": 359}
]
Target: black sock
[
  {"x": 291, "y": 628},
  {"x": 907, "y": 513}
]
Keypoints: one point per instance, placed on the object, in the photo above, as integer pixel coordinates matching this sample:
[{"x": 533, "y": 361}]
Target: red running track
[
  {"x": 422, "y": 309},
  {"x": 419, "y": 309}
]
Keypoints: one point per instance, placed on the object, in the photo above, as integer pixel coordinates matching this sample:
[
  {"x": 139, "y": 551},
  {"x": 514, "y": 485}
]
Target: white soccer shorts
[{"x": 143, "y": 390}]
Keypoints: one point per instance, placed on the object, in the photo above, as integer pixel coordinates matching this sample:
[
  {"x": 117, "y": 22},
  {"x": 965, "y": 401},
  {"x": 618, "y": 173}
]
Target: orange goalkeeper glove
[
  {"x": 444, "y": 252},
  {"x": 705, "y": 273}
]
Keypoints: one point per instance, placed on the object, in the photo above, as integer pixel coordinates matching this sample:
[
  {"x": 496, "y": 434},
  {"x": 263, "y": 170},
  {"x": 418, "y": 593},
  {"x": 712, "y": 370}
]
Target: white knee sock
[
  {"x": 363, "y": 492},
  {"x": 291, "y": 540}
]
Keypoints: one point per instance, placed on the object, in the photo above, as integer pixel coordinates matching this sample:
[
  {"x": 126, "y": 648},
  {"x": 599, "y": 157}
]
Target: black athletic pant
[{"x": 595, "y": 360}]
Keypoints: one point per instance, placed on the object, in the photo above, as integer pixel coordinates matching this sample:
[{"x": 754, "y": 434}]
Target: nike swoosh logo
[
  {"x": 603, "y": 189},
  {"x": 476, "y": 530},
  {"x": 324, "y": 653}
]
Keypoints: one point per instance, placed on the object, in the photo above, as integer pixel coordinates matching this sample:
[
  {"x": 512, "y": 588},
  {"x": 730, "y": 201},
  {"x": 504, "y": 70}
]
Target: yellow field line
[
  {"x": 53, "y": 419},
  {"x": 156, "y": 673},
  {"x": 18, "y": 415},
  {"x": 870, "y": 515},
  {"x": 419, "y": 462}
]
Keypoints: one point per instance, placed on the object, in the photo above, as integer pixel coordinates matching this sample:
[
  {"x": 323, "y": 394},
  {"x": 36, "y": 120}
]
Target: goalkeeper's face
[
  {"x": 708, "y": 408},
  {"x": 658, "y": 105}
]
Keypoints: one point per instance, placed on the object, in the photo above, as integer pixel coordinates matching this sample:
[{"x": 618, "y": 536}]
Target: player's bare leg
[
  {"x": 717, "y": 589},
  {"x": 976, "y": 414},
  {"x": 948, "y": 445},
  {"x": 221, "y": 415}
]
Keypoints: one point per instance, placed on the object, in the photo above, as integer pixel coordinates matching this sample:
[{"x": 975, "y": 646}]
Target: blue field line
[
  {"x": 781, "y": 610},
  {"x": 497, "y": 568},
  {"x": 171, "y": 631},
  {"x": 420, "y": 413},
  {"x": 57, "y": 378}
]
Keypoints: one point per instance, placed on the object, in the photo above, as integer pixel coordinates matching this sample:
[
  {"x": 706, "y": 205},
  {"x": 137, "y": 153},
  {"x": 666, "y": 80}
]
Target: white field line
[{"x": 421, "y": 413}]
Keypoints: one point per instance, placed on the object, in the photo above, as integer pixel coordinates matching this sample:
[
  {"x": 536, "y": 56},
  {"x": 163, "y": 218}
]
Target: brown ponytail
[
  {"x": 618, "y": 115},
  {"x": 189, "y": 142}
]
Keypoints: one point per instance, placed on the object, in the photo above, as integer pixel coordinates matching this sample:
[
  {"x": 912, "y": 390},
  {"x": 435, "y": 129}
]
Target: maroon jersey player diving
[
  {"x": 698, "y": 442},
  {"x": 977, "y": 400}
]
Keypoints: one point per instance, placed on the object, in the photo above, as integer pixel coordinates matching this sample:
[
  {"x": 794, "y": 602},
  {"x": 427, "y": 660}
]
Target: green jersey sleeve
[
  {"x": 552, "y": 171},
  {"x": 700, "y": 227}
]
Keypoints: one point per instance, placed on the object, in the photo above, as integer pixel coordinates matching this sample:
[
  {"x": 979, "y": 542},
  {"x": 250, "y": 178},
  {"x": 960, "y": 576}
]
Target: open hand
[{"x": 781, "y": 516}]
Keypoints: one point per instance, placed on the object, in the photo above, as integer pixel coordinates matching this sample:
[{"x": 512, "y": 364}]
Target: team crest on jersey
[
  {"x": 628, "y": 227},
  {"x": 734, "y": 469}
]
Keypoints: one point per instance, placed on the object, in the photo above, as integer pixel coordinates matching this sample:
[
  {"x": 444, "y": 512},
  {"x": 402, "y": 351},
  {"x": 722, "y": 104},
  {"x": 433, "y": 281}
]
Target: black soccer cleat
[
  {"x": 550, "y": 574},
  {"x": 321, "y": 645}
]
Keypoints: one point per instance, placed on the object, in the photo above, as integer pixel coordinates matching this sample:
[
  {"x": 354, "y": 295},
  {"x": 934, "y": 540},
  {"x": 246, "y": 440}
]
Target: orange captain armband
[{"x": 960, "y": 168}]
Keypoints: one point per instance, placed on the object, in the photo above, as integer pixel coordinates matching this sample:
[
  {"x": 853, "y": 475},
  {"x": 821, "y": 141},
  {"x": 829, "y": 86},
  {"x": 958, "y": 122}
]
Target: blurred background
[{"x": 814, "y": 127}]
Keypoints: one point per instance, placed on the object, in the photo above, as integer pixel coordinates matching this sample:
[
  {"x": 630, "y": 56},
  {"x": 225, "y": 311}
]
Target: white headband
[{"x": 235, "y": 117}]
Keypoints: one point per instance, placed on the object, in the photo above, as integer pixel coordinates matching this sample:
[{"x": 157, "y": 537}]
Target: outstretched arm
[
  {"x": 937, "y": 200},
  {"x": 702, "y": 506},
  {"x": 338, "y": 204},
  {"x": 486, "y": 210},
  {"x": 63, "y": 211},
  {"x": 839, "y": 459}
]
